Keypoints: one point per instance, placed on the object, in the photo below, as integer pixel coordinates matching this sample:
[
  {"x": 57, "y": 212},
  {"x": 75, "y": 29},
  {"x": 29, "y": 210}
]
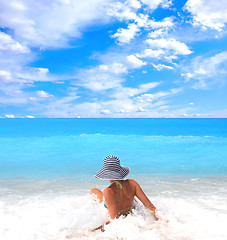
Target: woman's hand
[{"x": 101, "y": 227}]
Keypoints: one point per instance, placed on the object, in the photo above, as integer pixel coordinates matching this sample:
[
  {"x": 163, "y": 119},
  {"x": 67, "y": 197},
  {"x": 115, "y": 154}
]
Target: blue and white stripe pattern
[{"x": 112, "y": 170}]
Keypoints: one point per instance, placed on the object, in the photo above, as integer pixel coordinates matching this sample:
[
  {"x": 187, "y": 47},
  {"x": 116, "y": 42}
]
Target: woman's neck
[{"x": 112, "y": 181}]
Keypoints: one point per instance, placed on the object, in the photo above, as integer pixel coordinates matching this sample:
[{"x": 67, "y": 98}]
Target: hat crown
[
  {"x": 111, "y": 163},
  {"x": 112, "y": 170}
]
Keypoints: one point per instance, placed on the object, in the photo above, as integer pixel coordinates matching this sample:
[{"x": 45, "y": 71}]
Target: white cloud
[
  {"x": 164, "y": 24},
  {"x": 121, "y": 111},
  {"x": 142, "y": 20},
  {"x": 187, "y": 76},
  {"x": 58, "y": 106},
  {"x": 95, "y": 80},
  {"x": 67, "y": 109},
  {"x": 140, "y": 109},
  {"x": 160, "y": 67},
  {"x": 49, "y": 23},
  {"x": 135, "y": 62},
  {"x": 34, "y": 74},
  {"x": 105, "y": 111},
  {"x": 15, "y": 84},
  {"x": 105, "y": 76},
  {"x": 157, "y": 33},
  {"x": 167, "y": 4},
  {"x": 125, "y": 93},
  {"x": 208, "y": 13},
  {"x": 148, "y": 97},
  {"x": 122, "y": 10},
  {"x": 153, "y": 4},
  {"x": 170, "y": 44},
  {"x": 26, "y": 75},
  {"x": 147, "y": 87},
  {"x": 29, "y": 116},
  {"x": 11, "y": 89},
  {"x": 9, "y": 116},
  {"x": 122, "y": 102},
  {"x": 10, "y": 100},
  {"x": 134, "y": 4},
  {"x": 151, "y": 53},
  {"x": 103, "y": 67},
  {"x": 43, "y": 94},
  {"x": 126, "y": 35},
  {"x": 202, "y": 72},
  {"x": 116, "y": 68},
  {"x": 7, "y": 43},
  {"x": 5, "y": 76},
  {"x": 137, "y": 21}
]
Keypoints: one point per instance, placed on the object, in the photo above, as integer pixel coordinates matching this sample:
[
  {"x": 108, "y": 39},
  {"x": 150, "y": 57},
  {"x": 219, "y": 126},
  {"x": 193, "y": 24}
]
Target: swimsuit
[{"x": 118, "y": 184}]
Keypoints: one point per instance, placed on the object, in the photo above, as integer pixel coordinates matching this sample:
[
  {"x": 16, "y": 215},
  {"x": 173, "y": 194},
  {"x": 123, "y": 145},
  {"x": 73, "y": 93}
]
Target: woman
[{"x": 118, "y": 197}]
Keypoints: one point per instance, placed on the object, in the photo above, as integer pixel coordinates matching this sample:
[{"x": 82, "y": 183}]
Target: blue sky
[{"x": 109, "y": 58}]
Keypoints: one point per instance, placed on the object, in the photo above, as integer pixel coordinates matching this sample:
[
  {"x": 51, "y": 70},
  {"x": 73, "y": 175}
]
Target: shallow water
[
  {"x": 188, "y": 208},
  {"x": 57, "y": 156}
]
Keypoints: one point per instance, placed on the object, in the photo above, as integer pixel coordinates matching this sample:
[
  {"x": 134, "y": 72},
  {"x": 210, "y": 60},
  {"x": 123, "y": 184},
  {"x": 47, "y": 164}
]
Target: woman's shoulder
[
  {"x": 133, "y": 182},
  {"x": 108, "y": 192}
]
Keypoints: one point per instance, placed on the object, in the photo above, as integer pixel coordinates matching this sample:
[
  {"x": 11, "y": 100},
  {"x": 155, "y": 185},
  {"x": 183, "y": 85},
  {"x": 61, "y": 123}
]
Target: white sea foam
[{"x": 188, "y": 209}]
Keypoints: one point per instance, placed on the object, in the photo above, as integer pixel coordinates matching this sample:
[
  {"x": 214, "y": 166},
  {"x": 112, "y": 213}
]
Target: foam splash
[
  {"x": 73, "y": 217},
  {"x": 188, "y": 209}
]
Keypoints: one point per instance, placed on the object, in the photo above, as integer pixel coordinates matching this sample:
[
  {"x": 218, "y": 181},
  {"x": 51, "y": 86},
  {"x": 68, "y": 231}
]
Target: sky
[{"x": 113, "y": 59}]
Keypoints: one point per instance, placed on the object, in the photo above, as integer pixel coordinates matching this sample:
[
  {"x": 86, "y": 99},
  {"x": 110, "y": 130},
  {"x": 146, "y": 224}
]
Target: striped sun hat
[{"x": 112, "y": 170}]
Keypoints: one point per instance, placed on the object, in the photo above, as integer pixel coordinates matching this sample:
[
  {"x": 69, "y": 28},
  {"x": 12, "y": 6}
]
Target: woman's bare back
[
  {"x": 120, "y": 200},
  {"x": 124, "y": 192}
]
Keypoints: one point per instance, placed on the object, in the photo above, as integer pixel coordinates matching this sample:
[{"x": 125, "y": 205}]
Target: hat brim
[{"x": 105, "y": 174}]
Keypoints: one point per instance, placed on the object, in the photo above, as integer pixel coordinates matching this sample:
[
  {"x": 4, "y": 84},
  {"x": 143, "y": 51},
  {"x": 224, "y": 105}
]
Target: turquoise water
[
  {"x": 50, "y": 148},
  {"x": 47, "y": 168},
  {"x": 145, "y": 127}
]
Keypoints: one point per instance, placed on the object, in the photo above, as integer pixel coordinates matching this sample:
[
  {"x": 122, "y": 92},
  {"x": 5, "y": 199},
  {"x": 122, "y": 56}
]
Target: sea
[{"x": 47, "y": 169}]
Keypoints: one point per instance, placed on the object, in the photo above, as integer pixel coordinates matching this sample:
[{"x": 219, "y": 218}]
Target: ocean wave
[{"x": 192, "y": 214}]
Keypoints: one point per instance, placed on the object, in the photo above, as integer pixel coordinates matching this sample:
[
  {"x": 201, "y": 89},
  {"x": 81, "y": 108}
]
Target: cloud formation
[
  {"x": 7, "y": 43},
  {"x": 135, "y": 62},
  {"x": 133, "y": 67},
  {"x": 170, "y": 45},
  {"x": 50, "y": 24},
  {"x": 202, "y": 71},
  {"x": 208, "y": 13}
]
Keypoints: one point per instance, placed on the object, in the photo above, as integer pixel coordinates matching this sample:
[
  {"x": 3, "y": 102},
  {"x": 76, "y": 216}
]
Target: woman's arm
[
  {"x": 143, "y": 198},
  {"x": 110, "y": 202},
  {"x": 101, "y": 227},
  {"x": 111, "y": 205}
]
